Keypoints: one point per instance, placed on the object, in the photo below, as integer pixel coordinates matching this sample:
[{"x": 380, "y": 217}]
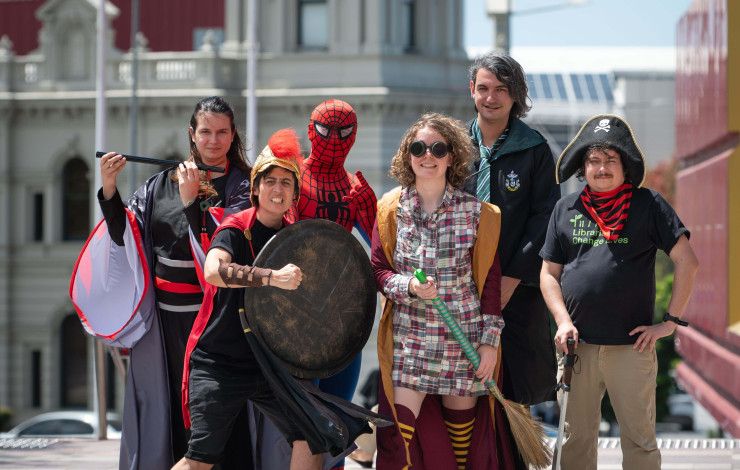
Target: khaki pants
[{"x": 629, "y": 377}]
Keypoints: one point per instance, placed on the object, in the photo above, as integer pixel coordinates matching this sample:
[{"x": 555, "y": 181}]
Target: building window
[
  {"x": 215, "y": 37},
  {"x": 36, "y": 378},
  {"x": 313, "y": 24},
  {"x": 408, "y": 23},
  {"x": 75, "y": 200},
  {"x": 38, "y": 217},
  {"x": 74, "y": 363},
  {"x": 75, "y": 47}
]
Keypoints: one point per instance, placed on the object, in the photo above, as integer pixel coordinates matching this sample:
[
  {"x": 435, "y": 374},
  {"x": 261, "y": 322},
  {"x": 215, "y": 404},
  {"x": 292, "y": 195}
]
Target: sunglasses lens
[
  {"x": 417, "y": 148},
  {"x": 439, "y": 149}
]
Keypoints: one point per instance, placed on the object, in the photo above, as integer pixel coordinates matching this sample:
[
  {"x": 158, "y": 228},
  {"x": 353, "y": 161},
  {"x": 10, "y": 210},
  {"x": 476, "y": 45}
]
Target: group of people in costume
[{"x": 478, "y": 208}]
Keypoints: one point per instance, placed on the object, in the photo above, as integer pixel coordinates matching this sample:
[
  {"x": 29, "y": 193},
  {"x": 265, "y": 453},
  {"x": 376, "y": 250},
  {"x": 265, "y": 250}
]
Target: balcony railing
[{"x": 157, "y": 70}]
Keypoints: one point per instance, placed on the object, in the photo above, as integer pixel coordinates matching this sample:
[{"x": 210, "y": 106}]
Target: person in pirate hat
[{"x": 598, "y": 279}]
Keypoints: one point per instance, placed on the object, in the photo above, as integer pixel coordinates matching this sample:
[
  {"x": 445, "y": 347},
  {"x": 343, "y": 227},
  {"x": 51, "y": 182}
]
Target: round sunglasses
[{"x": 439, "y": 149}]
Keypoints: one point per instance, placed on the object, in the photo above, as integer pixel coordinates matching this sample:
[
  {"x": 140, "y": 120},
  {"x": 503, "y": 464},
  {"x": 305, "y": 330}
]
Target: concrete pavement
[{"x": 86, "y": 454}]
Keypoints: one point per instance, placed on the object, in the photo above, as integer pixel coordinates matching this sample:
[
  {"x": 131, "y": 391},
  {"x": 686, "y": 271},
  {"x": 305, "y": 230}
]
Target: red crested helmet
[{"x": 332, "y": 130}]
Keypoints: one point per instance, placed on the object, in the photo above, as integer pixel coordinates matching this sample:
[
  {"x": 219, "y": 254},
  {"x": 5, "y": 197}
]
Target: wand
[{"x": 158, "y": 161}]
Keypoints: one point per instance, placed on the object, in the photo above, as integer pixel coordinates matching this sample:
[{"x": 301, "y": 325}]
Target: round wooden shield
[{"x": 317, "y": 329}]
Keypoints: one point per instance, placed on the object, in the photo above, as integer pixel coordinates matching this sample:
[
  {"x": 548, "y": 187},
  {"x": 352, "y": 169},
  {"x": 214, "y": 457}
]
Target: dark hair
[
  {"x": 581, "y": 172},
  {"x": 266, "y": 171},
  {"x": 510, "y": 73},
  {"x": 217, "y": 105},
  {"x": 457, "y": 138}
]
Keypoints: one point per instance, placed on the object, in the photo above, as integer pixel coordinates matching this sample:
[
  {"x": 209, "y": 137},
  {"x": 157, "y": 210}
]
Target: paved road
[{"x": 678, "y": 454}]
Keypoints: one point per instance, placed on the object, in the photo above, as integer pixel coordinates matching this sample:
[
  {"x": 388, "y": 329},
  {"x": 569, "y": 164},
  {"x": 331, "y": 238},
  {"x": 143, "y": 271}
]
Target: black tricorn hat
[{"x": 608, "y": 130}]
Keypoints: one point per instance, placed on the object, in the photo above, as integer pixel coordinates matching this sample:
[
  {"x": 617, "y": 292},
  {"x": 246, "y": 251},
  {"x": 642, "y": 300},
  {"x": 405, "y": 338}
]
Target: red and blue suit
[{"x": 328, "y": 191}]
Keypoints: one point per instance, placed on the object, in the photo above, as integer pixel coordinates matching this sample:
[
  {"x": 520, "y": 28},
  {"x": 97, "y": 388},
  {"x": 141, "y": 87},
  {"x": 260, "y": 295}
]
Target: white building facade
[{"x": 390, "y": 59}]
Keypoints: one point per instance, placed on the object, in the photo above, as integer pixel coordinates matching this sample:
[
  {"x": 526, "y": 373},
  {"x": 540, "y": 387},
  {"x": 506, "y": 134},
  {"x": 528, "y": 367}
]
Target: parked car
[
  {"x": 681, "y": 409},
  {"x": 64, "y": 424}
]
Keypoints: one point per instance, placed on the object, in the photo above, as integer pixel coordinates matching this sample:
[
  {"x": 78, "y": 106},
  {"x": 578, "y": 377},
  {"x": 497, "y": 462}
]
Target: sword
[
  {"x": 158, "y": 161},
  {"x": 570, "y": 359}
]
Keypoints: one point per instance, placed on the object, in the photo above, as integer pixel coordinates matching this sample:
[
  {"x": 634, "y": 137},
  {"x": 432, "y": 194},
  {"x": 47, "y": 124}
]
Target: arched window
[
  {"x": 74, "y": 367},
  {"x": 74, "y": 55},
  {"x": 75, "y": 200},
  {"x": 74, "y": 363}
]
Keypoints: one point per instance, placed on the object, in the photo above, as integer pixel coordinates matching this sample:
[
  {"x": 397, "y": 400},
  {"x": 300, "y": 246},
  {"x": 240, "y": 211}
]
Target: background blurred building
[
  {"x": 569, "y": 85},
  {"x": 375, "y": 55},
  {"x": 392, "y": 60},
  {"x": 708, "y": 199}
]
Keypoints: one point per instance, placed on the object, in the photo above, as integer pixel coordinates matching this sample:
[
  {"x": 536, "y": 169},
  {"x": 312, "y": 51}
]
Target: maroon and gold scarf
[{"x": 609, "y": 209}]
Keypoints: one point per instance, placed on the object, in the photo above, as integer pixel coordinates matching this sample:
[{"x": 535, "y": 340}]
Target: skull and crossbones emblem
[{"x": 603, "y": 126}]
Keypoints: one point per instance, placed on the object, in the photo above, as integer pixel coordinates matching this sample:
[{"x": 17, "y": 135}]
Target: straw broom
[{"x": 528, "y": 433}]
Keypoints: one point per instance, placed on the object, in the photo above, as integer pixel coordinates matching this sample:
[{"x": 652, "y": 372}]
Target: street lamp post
[{"x": 500, "y": 13}]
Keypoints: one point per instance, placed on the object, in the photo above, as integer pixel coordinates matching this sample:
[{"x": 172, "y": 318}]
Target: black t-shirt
[
  {"x": 223, "y": 343},
  {"x": 609, "y": 287}
]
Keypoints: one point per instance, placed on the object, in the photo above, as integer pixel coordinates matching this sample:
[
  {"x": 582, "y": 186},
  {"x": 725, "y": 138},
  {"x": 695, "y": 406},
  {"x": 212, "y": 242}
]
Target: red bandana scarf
[{"x": 608, "y": 209}]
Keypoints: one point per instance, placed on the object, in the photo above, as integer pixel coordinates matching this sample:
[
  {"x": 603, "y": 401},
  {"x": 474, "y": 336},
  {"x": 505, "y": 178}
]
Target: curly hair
[{"x": 461, "y": 149}]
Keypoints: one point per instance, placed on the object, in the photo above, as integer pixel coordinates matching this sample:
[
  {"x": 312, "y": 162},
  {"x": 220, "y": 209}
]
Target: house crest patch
[{"x": 511, "y": 182}]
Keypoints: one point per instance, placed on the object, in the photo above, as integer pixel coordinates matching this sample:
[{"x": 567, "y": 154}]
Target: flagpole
[
  {"x": 251, "y": 137},
  {"x": 99, "y": 400},
  {"x": 134, "y": 98}
]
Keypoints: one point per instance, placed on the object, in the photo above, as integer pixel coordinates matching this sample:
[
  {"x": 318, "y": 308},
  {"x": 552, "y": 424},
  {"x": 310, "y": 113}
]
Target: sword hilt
[{"x": 570, "y": 360}]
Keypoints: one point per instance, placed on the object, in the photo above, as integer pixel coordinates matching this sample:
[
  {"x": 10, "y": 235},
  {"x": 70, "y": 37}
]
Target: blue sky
[{"x": 596, "y": 23}]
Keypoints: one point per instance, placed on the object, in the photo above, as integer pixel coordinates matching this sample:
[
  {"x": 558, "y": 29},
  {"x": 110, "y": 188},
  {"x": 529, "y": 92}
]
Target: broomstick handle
[
  {"x": 158, "y": 161},
  {"x": 454, "y": 327},
  {"x": 528, "y": 435}
]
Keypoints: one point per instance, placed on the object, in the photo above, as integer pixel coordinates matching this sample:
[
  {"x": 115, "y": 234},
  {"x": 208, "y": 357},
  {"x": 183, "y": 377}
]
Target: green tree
[{"x": 665, "y": 348}]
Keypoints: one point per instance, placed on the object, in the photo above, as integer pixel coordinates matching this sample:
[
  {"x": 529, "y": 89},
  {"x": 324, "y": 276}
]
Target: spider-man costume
[{"x": 328, "y": 191}]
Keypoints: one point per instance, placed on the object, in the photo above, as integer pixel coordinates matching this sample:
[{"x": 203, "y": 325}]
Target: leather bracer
[{"x": 237, "y": 275}]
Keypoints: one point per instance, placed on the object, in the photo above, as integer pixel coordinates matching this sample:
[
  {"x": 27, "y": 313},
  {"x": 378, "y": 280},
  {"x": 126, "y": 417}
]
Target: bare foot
[{"x": 362, "y": 457}]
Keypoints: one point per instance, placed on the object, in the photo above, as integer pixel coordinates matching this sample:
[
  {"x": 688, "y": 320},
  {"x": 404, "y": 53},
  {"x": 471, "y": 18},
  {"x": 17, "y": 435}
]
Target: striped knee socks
[{"x": 460, "y": 429}]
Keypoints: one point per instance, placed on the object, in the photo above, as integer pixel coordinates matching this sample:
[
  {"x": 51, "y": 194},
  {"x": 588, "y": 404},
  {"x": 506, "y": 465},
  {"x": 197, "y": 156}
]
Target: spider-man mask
[{"x": 332, "y": 130}]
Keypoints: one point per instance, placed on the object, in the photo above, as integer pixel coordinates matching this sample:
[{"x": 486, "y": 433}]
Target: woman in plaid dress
[{"x": 427, "y": 383}]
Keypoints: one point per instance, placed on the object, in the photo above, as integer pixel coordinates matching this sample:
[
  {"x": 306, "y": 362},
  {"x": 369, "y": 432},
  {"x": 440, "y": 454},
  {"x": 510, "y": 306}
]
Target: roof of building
[{"x": 591, "y": 59}]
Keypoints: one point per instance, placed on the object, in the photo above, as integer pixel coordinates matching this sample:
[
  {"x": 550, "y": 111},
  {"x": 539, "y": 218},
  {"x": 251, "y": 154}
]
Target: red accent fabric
[
  {"x": 84, "y": 262},
  {"x": 608, "y": 209},
  {"x": 176, "y": 287},
  {"x": 491, "y": 446},
  {"x": 405, "y": 415},
  {"x": 458, "y": 416},
  {"x": 240, "y": 221},
  {"x": 205, "y": 242},
  {"x": 490, "y": 300},
  {"x": 217, "y": 213}
]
